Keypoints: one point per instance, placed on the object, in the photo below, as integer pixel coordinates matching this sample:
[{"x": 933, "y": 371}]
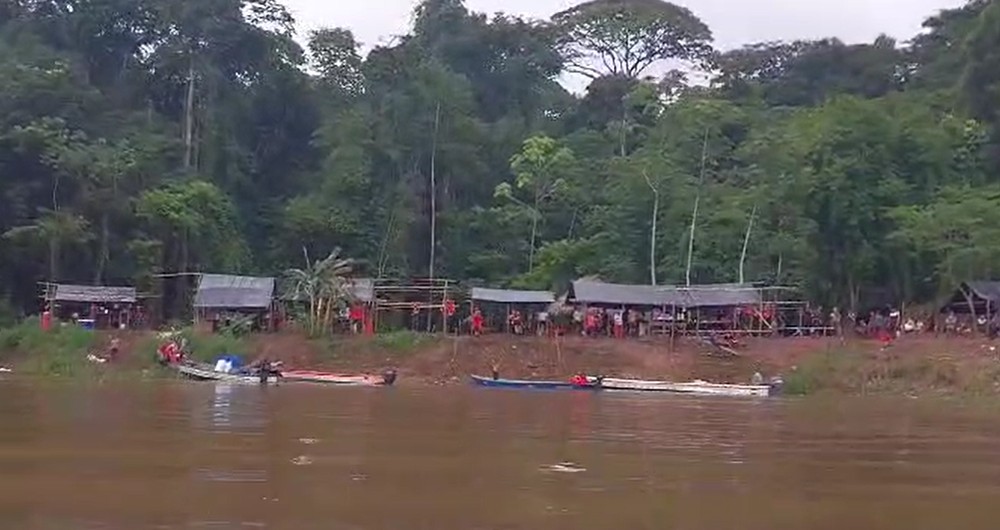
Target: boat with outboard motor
[
  {"x": 269, "y": 372},
  {"x": 207, "y": 372},
  {"x": 576, "y": 383}
]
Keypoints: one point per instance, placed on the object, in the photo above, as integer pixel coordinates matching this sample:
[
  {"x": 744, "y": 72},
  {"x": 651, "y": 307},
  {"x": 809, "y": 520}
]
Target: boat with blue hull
[{"x": 538, "y": 385}]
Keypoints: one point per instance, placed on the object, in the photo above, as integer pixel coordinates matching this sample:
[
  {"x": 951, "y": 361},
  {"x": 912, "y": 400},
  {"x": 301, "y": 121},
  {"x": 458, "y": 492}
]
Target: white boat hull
[
  {"x": 205, "y": 372},
  {"x": 695, "y": 387}
]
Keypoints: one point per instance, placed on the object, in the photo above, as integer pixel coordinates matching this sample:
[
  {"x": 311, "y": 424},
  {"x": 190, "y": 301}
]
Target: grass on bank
[
  {"x": 200, "y": 346},
  {"x": 61, "y": 351},
  {"x": 891, "y": 372},
  {"x": 389, "y": 344}
]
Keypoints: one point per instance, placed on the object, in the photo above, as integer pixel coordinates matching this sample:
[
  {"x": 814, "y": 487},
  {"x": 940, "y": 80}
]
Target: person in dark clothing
[{"x": 265, "y": 369}]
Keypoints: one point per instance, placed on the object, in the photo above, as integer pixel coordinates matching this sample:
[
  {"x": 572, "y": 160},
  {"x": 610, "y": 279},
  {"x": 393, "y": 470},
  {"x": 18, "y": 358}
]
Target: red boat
[{"x": 310, "y": 376}]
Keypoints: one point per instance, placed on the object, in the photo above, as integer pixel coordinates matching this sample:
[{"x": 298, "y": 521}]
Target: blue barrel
[{"x": 87, "y": 323}]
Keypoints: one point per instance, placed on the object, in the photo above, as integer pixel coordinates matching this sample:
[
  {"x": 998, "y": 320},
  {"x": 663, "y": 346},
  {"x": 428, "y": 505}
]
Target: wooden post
[
  {"x": 673, "y": 324},
  {"x": 760, "y": 314}
]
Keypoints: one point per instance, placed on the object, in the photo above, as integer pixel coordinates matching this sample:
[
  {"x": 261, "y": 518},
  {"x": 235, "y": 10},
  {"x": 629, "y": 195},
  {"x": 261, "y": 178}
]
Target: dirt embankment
[
  {"x": 911, "y": 365},
  {"x": 923, "y": 364}
]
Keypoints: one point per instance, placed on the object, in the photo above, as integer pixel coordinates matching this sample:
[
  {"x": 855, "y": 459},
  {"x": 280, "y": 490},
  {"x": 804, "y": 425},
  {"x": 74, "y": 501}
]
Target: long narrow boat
[
  {"x": 540, "y": 385},
  {"x": 311, "y": 376},
  {"x": 694, "y": 387},
  {"x": 206, "y": 372}
]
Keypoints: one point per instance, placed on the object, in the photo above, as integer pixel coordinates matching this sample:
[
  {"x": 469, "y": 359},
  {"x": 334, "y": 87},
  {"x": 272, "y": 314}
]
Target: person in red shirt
[
  {"x": 477, "y": 322},
  {"x": 448, "y": 311},
  {"x": 356, "y": 315},
  {"x": 169, "y": 353},
  {"x": 593, "y": 323}
]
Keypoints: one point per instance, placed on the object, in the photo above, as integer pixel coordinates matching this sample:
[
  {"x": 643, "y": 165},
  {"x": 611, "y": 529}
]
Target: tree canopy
[{"x": 142, "y": 139}]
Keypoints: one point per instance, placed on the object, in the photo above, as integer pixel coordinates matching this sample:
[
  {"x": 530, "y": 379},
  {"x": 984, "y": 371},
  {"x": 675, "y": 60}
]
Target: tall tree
[{"x": 625, "y": 37}]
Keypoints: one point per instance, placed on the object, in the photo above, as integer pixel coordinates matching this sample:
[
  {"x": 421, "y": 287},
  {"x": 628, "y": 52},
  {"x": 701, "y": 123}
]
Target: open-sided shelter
[
  {"x": 497, "y": 305},
  {"x": 223, "y": 298},
  {"x": 713, "y": 306},
  {"x": 98, "y": 305},
  {"x": 979, "y": 298},
  {"x": 602, "y": 294}
]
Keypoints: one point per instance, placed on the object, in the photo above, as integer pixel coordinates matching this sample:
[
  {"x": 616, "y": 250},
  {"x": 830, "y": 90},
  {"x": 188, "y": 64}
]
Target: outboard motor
[
  {"x": 777, "y": 385},
  {"x": 389, "y": 376}
]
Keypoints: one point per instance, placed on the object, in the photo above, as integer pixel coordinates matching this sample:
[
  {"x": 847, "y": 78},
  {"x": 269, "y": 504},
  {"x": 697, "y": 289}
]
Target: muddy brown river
[{"x": 189, "y": 455}]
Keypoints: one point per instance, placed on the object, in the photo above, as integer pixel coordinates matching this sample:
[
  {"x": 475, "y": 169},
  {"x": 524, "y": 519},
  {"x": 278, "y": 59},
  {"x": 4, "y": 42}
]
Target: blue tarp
[{"x": 235, "y": 361}]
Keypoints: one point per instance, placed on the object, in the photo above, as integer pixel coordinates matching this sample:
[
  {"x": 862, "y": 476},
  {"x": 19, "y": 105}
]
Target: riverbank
[{"x": 912, "y": 366}]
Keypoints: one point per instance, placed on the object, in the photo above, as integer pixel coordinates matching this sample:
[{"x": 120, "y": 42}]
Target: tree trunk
[
  {"x": 746, "y": 242},
  {"x": 534, "y": 234},
  {"x": 189, "y": 117},
  {"x": 697, "y": 201},
  {"x": 182, "y": 293},
  {"x": 102, "y": 258},
  {"x": 652, "y": 230},
  {"x": 433, "y": 243},
  {"x": 312, "y": 314},
  {"x": 328, "y": 320},
  {"x": 694, "y": 221},
  {"x": 53, "y": 259}
]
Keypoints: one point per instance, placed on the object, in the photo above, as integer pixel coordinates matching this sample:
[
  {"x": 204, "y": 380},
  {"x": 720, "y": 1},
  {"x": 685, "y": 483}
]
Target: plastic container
[{"x": 87, "y": 323}]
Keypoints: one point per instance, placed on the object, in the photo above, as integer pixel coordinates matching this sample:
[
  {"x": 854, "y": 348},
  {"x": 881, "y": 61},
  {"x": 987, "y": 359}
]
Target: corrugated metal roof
[
  {"x": 507, "y": 296},
  {"x": 718, "y": 295},
  {"x": 98, "y": 294},
  {"x": 224, "y": 291}
]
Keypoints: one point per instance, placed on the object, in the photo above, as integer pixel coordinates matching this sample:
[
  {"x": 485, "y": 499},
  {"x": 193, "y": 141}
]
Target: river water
[{"x": 189, "y": 455}]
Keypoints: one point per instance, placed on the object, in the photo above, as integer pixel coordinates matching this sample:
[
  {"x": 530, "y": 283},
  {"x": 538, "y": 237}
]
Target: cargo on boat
[{"x": 207, "y": 372}]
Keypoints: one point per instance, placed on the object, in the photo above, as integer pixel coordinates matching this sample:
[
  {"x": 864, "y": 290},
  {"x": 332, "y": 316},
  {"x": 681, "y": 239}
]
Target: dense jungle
[{"x": 147, "y": 137}]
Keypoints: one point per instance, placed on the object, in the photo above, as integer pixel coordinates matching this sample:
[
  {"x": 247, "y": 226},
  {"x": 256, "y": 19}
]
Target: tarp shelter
[
  {"x": 982, "y": 296},
  {"x": 223, "y": 291},
  {"x": 592, "y": 292},
  {"x": 696, "y": 296},
  {"x": 718, "y": 295},
  {"x": 528, "y": 303},
  {"x": 513, "y": 297}
]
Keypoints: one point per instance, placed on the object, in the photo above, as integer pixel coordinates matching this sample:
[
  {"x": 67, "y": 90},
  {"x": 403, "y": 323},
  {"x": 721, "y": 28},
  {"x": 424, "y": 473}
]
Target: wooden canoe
[
  {"x": 540, "y": 385},
  {"x": 695, "y": 387},
  {"x": 312, "y": 376}
]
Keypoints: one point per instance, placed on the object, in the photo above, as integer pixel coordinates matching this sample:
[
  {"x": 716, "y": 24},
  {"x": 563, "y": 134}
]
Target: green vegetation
[
  {"x": 392, "y": 344},
  {"x": 63, "y": 351},
  {"x": 404, "y": 341},
  {"x": 146, "y": 136},
  {"x": 207, "y": 347},
  {"x": 847, "y": 372},
  {"x": 60, "y": 352}
]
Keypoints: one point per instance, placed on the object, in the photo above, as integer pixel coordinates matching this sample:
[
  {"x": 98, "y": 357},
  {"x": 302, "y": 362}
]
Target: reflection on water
[{"x": 193, "y": 455}]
